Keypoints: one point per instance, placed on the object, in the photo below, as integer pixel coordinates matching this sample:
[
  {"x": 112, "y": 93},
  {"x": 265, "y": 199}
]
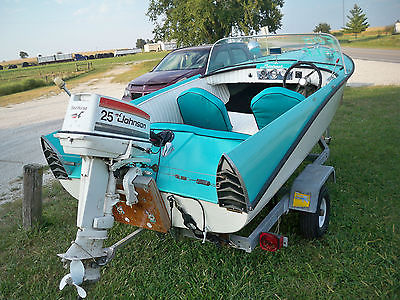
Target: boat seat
[
  {"x": 272, "y": 102},
  {"x": 200, "y": 108},
  {"x": 243, "y": 123}
]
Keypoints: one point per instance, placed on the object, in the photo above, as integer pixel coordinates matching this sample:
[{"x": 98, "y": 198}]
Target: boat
[{"x": 206, "y": 155}]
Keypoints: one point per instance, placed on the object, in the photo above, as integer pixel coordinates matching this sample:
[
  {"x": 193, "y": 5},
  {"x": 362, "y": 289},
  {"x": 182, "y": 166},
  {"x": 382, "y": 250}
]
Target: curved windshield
[
  {"x": 233, "y": 51},
  {"x": 183, "y": 60}
]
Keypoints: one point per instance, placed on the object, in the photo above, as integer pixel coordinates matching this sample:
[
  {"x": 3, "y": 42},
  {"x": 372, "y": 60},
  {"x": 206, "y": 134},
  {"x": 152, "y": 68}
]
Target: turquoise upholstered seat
[
  {"x": 272, "y": 102},
  {"x": 200, "y": 108}
]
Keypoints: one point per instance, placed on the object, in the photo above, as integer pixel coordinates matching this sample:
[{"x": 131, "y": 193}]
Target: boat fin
[{"x": 231, "y": 190}]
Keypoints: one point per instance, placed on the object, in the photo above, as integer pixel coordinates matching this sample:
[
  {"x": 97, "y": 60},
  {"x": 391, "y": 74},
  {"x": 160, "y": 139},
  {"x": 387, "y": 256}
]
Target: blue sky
[{"x": 47, "y": 26}]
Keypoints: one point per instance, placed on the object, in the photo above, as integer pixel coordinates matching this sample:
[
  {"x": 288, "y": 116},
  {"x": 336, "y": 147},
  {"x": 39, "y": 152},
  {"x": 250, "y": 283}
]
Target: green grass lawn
[
  {"x": 357, "y": 259},
  {"x": 371, "y": 41},
  {"x": 22, "y": 79}
]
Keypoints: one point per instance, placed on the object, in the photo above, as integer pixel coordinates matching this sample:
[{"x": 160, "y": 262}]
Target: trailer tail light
[{"x": 272, "y": 242}]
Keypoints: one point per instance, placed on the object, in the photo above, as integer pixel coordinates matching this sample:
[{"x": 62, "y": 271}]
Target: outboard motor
[{"x": 109, "y": 135}]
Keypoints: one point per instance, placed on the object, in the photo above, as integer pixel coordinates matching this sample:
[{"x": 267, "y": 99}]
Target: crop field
[
  {"x": 22, "y": 79},
  {"x": 358, "y": 258},
  {"x": 371, "y": 41}
]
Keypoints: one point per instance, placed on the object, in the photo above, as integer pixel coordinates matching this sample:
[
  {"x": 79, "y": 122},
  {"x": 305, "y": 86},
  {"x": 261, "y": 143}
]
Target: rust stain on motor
[{"x": 150, "y": 211}]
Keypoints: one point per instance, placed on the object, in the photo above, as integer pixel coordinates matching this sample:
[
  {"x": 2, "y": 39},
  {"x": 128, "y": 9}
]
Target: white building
[
  {"x": 167, "y": 46},
  {"x": 397, "y": 27},
  {"x": 152, "y": 47},
  {"x": 264, "y": 30},
  {"x": 160, "y": 46}
]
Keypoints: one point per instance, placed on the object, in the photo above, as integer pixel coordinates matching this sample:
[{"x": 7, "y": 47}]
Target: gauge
[
  {"x": 273, "y": 74},
  {"x": 263, "y": 73}
]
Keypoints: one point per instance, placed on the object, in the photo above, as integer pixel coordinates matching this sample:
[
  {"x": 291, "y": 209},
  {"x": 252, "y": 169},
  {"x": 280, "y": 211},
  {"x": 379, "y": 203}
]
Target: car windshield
[
  {"x": 233, "y": 51},
  {"x": 183, "y": 60}
]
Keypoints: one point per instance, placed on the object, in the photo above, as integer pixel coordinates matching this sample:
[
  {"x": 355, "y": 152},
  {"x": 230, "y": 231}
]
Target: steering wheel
[{"x": 304, "y": 84}]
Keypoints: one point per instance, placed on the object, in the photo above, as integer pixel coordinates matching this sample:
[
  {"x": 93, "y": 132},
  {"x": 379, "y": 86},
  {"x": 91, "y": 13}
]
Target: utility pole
[{"x": 343, "y": 11}]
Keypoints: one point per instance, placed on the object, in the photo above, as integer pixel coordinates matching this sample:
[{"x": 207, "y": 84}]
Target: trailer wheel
[{"x": 315, "y": 225}]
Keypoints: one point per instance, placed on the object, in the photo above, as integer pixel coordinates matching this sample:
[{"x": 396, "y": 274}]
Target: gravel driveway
[{"x": 374, "y": 73}]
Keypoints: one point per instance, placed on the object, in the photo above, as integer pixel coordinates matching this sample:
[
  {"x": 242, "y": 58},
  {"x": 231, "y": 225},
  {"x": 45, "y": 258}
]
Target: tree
[
  {"x": 23, "y": 54},
  {"x": 323, "y": 27},
  {"x": 194, "y": 22},
  {"x": 140, "y": 43},
  {"x": 357, "y": 21}
]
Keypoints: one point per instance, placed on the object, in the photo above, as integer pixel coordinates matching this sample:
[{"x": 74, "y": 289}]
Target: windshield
[
  {"x": 184, "y": 59},
  {"x": 228, "y": 52}
]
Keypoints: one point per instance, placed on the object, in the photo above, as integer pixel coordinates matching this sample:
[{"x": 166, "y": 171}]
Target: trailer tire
[{"x": 315, "y": 225}]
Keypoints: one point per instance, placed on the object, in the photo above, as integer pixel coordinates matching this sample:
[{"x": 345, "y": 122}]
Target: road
[
  {"x": 20, "y": 146},
  {"x": 373, "y": 54},
  {"x": 21, "y": 126}
]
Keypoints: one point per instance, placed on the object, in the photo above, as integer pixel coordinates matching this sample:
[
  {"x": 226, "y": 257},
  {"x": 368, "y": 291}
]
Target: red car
[{"x": 175, "y": 66}]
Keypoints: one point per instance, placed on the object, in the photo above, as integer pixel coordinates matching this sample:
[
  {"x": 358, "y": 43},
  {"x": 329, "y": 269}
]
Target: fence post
[{"x": 32, "y": 202}]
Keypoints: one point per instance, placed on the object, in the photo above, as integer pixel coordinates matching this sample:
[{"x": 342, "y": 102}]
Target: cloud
[
  {"x": 103, "y": 8},
  {"x": 93, "y": 10},
  {"x": 81, "y": 11}
]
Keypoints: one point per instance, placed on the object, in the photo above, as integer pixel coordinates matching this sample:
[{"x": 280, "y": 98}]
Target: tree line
[
  {"x": 357, "y": 23},
  {"x": 195, "y": 22}
]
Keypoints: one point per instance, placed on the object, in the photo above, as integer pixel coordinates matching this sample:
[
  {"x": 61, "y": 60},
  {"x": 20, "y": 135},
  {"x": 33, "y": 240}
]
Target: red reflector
[{"x": 271, "y": 242}]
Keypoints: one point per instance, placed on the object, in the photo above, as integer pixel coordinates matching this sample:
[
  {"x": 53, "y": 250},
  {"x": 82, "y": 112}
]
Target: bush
[
  {"x": 25, "y": 85},
  {"x": 390, "y": 29},
  {"x": 338, "y": 33}
]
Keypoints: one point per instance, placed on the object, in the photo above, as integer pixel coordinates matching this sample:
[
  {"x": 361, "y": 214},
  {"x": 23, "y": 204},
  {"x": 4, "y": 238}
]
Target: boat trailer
[{"x": 304, "y": 196}]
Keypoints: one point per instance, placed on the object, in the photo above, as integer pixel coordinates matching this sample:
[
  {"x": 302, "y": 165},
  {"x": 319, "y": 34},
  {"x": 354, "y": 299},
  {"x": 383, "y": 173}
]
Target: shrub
[
  {"x": 25, "y": 85},
  {"x": 338, "y": 33}
]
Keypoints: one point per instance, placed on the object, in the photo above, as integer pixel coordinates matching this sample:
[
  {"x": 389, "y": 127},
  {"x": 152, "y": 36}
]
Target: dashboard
[{"x": 266, "y": 73}]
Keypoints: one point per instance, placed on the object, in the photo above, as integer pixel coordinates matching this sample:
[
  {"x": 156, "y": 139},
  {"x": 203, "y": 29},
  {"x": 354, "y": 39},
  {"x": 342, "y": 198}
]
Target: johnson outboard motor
[{"x": 109, "y": 135}]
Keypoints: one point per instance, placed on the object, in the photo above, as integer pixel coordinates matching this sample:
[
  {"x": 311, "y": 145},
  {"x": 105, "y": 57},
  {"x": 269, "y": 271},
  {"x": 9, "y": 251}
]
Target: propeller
[{"x": 75, "y": 277}]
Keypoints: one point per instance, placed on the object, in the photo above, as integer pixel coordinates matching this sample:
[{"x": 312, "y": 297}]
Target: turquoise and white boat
[{"x": 219, "y": 146}]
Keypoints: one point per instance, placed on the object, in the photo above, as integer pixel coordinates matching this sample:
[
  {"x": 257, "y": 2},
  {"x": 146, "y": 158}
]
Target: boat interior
[{"x": 215, "y": 102}]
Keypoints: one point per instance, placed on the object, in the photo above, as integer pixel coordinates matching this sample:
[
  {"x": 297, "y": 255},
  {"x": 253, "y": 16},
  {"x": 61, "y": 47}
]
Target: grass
[
  {"x": 371, "y": 41},
  {"x": 357, "y": 259},
  {"x": 14, "y": 87},
  {"x": 21, "y": 86},
  {"x": 12, "y": 81}
]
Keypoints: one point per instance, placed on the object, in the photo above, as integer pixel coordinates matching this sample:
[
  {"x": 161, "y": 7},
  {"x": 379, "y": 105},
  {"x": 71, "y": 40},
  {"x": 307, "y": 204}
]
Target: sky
[{"x": 71, "y": 26}]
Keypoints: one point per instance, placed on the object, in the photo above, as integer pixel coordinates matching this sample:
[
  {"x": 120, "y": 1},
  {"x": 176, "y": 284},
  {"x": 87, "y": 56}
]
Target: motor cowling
[{"x": 100, "y": 126}]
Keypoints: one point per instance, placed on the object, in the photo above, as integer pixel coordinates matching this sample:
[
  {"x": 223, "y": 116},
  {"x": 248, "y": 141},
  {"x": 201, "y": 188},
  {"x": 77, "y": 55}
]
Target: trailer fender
[{"x": 306, "y": 187}]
